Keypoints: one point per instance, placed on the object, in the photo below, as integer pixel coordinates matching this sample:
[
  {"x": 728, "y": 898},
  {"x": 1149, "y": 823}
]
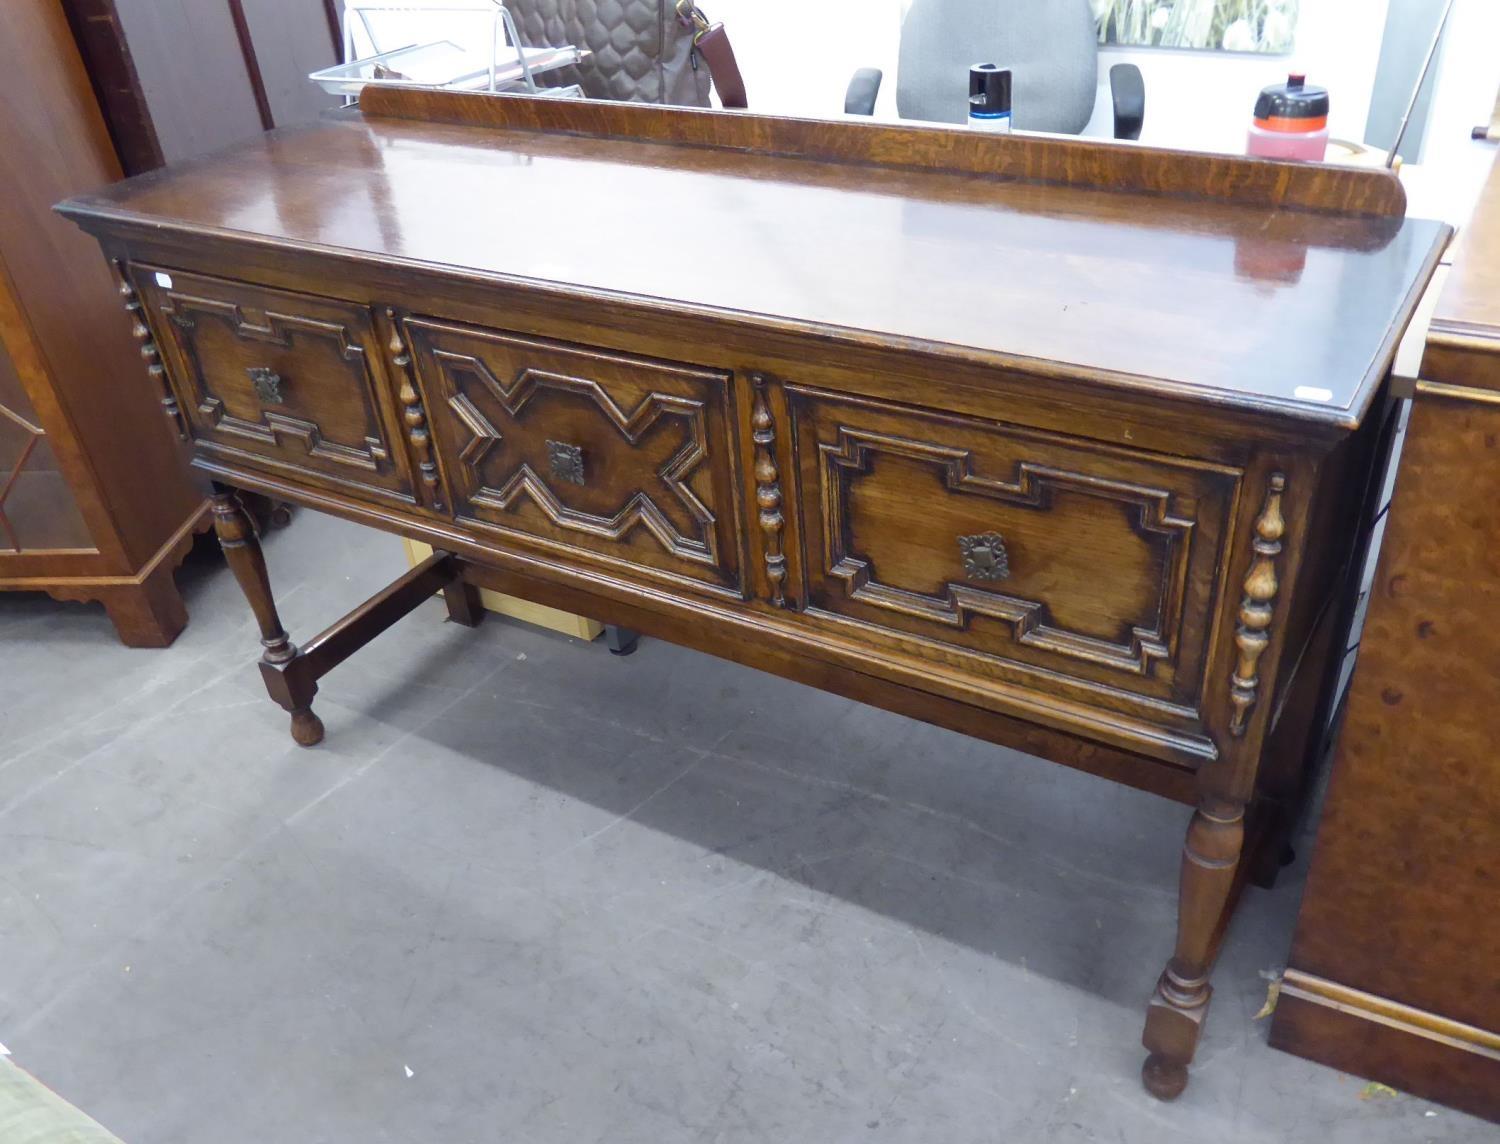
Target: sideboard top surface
[
  {"x": 1470, "y": 301},
  {"x": 1293, "y": 310}
]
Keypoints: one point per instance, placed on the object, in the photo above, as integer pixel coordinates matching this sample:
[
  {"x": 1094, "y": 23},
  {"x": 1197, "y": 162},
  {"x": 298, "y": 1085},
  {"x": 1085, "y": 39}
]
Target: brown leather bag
[{"x": 653, "y": 51}]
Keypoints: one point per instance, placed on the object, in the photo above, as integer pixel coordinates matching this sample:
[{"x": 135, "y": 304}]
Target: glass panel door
[{"x": 37, "y": 509}]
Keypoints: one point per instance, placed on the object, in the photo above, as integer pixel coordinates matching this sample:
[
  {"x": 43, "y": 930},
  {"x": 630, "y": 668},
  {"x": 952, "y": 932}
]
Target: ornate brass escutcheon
[
  {"x": 566, "y": 461},
  {"x": 984, "y": 556},
  {"x": 267, "y": 384}
]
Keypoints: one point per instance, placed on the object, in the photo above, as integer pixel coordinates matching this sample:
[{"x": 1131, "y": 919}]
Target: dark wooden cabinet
[
  {"x": 1395, "y": 967},
  {"x": 1105, "y": 509},
  {"x": 94, "y": 501}
]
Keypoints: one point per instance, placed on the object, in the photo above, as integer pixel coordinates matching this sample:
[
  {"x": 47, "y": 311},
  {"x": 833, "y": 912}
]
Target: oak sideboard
[{"x": 1064, "y": 445}]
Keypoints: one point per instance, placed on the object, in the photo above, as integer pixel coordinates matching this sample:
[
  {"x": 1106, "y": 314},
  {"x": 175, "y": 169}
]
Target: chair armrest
[
  {"x": 1129, "y": 91},
  {"x": 863, "y": 88}
]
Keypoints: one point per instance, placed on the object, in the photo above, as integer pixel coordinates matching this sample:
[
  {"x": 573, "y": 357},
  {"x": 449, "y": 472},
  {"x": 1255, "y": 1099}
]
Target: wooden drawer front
[
  {"x": 623, "y": 456},
  {"x": 1015, "y": 554},
  {"x": 290, "y": 378}
]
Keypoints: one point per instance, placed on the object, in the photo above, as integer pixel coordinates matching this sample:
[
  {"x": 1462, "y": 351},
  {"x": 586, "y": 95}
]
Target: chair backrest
[{"x": 1051, "y": 46}]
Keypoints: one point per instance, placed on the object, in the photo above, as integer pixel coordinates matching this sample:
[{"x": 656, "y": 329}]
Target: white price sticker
[{"x": 1312, "y": 393}]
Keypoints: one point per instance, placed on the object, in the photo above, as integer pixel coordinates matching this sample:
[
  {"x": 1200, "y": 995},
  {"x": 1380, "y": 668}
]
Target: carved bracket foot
[{"x": 151, "y": 614}]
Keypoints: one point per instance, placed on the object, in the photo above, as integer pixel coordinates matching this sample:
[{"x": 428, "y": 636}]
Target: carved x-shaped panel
[
  {"x": 649, "y": 415},
  {"x": 1033, "y": 487}
]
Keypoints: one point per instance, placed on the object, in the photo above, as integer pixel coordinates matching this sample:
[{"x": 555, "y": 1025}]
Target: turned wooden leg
[
  {"x": 242, "y": 550},
  {"x": 1174, "y": 1019}
]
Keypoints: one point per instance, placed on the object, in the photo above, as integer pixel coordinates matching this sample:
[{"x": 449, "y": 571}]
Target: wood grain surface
[
  {"x": 1231, "y": 298},
  {"x": 1395, "y": 967},
  {"x": 1021, "y": 438}
]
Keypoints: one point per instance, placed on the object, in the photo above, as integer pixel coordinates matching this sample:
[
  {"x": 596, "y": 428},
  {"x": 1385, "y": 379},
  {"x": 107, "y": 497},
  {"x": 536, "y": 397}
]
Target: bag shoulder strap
[{"x": 712, "y": 42}]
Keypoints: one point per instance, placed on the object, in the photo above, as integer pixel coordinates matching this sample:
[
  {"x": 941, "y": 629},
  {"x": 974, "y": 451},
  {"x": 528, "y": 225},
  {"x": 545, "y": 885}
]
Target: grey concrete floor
[{"x": 529, "y": 892}]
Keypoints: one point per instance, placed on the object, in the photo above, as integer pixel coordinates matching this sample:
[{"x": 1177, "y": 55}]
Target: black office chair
[{"x": 1051, "y": 47}]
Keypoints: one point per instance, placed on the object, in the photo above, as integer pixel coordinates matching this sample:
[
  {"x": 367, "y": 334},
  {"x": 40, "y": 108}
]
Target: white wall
[
  {"x": 1468, "y": 78},
  {"x": 797, "y": 57},
  {"x": 1204, "y": 100}
]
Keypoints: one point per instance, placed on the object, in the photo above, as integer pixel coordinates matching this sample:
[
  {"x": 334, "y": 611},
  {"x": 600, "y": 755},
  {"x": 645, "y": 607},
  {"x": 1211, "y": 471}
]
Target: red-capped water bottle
[{"x": 1291, "y": 121}]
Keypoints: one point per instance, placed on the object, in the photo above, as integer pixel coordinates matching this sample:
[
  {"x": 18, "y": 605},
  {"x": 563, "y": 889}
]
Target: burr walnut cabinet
[
  {"x": 1063, "y": 445},
  {"x": 94, "y": 501},
  {"x": 1395, "y": 968}
]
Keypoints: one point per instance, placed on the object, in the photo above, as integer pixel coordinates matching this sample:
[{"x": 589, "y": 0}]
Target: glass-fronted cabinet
[
  {"x": 38, "y": 511},
  {"x": 96, "y": 502}
]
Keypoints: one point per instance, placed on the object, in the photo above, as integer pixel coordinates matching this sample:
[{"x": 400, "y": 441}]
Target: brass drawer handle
[
  {"x": 267, "y": 384},
  {"x": 984, "y": 556}
]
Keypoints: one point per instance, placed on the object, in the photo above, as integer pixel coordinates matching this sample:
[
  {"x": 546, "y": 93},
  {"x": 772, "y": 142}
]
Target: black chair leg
[{"x": 620, "y": 641}]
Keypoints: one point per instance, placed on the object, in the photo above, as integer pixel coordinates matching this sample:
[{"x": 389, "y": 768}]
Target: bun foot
[
  {"x": 1163, "y": 1079},
  {"x": 307, "y": 728}
]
